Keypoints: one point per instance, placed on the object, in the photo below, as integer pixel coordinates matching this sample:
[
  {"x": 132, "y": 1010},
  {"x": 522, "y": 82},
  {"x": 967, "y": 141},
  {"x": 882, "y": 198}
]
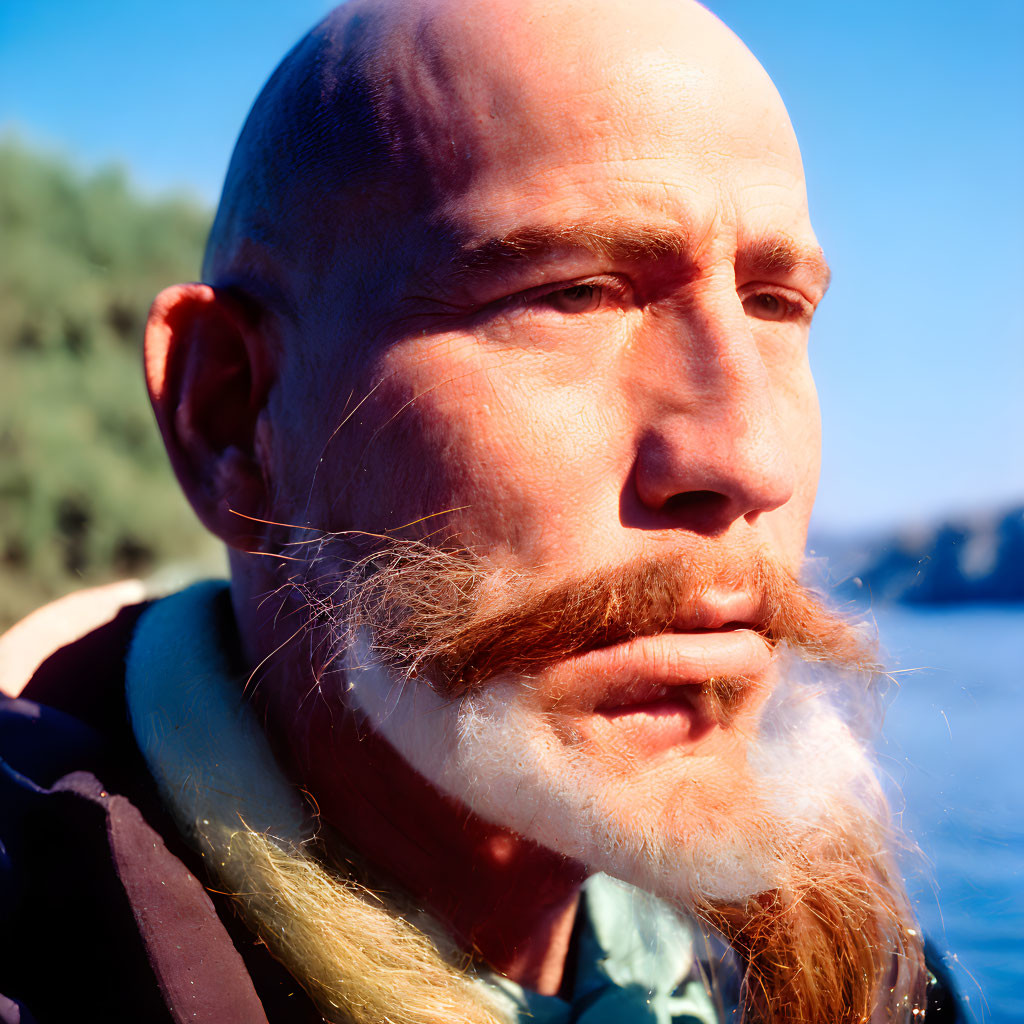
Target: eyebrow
[
  {"x": 620, "y": 243},
  {"x": 769, "y": 254},
  {"x": 779, "y": 254}
]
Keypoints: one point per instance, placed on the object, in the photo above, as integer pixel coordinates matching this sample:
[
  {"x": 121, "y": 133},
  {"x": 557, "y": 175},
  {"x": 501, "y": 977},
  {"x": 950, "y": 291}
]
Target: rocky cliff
[{"x": 973, "y": 558}]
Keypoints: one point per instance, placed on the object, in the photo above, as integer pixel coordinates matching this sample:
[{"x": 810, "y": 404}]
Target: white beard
[{"x": 677, "y": 829}]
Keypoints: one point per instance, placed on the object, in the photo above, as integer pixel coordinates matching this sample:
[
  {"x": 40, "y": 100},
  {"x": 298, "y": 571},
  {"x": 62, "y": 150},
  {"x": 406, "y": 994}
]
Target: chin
[
  {"x": 777, "y": 835},
  {"x": 689, "y": 819}
]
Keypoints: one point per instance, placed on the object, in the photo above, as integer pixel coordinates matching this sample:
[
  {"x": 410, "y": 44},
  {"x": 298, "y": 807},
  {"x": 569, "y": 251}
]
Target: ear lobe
[{"x": 209, "y": 370}]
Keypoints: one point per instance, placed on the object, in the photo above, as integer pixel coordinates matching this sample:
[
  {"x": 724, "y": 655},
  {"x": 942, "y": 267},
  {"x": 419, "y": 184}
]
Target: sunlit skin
[{"x": 633, "y": 382}]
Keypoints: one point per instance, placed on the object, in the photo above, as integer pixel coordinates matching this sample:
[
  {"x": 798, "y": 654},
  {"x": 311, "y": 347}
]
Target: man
[{"x": 497, "y": 390}]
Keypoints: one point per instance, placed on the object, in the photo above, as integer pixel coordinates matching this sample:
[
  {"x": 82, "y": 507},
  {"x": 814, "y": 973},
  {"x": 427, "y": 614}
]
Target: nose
[{"x": 711, "y": 448}]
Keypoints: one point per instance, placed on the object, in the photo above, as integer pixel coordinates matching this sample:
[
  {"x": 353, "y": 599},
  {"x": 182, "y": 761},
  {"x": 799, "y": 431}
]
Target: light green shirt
[{"x": 634, "y": 962}]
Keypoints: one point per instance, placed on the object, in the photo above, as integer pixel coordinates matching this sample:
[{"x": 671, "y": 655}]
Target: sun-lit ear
[{"x": 209, "y": 370}]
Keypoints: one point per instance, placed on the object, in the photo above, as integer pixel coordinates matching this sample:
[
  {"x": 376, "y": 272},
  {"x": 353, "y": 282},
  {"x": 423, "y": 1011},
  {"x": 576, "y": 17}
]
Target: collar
[{"x": 634, "y": 962}]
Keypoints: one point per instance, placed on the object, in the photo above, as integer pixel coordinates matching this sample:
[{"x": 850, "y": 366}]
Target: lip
[
  {"x": 721, "y": 610},
  {"x": 673, "y": 717},
  {"x": 624, "y": 674},
  {"x": 645, "y": 694}
]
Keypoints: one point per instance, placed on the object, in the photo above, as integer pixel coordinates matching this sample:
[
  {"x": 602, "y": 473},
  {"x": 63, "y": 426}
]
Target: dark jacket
[{"x": 102, "y": 915}]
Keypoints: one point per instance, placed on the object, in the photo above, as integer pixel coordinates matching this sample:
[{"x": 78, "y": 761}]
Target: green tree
[{"x": 86, "y": 493}]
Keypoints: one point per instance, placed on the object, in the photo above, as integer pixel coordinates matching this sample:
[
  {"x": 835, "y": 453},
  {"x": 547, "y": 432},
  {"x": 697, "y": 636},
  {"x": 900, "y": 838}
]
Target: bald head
[{"x": 394, "y": 108}]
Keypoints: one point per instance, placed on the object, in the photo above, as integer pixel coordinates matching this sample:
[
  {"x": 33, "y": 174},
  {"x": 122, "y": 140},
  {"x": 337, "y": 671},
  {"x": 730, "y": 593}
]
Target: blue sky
[{"x": 911, "y": 120}]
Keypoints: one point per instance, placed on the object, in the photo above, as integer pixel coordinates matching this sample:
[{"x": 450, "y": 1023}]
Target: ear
[{"x": 209, "y": 370}]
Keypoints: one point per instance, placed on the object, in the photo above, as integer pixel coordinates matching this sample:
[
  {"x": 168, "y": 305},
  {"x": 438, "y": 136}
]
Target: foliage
[{"x": 86, "y": 493}]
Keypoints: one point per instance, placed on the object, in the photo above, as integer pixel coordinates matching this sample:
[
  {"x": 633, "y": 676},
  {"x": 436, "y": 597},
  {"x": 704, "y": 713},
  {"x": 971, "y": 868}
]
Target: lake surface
[{"x": 954, "y": 745}]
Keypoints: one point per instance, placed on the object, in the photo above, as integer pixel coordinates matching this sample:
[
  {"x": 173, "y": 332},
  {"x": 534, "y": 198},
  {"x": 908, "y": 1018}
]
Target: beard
[{"x": 779, "y": 839}]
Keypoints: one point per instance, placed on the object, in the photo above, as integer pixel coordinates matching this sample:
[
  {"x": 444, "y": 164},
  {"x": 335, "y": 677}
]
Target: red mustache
[{"x": 450, "y": 617}]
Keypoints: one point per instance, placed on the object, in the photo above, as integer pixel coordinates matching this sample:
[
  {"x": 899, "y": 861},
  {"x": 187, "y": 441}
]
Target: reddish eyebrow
[
  {"x": 625, "y": 244},
  {"x": 779, "y": 254},
  {"x": 768, "y": 254}
]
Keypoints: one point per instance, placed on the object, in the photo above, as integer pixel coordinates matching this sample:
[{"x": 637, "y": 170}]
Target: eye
[
  {"x": 599, "y": 294},
  {"x": 577, "y": 298},
  {"x": 767, "y": 306},
  {"x": 776, "y": 304}
]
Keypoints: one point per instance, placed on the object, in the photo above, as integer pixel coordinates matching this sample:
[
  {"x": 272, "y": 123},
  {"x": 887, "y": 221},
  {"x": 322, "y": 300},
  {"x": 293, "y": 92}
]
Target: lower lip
[
  {"x": 683, "y": 701},
  {"x": 611, "y": 689},
  {"x": 644, "y": 730}
]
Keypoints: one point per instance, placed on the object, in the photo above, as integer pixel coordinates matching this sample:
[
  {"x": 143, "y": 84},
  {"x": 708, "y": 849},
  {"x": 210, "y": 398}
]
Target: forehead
[
  {"x": 539, "y": 107},
  {"x": 655, "y": 145},
  {"x": 518, "y": 117}
]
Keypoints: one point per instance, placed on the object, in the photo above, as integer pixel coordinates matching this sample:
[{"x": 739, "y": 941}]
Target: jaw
[
  {"x": 689, "y": 822},
  {"x": 741, "y": 838}
]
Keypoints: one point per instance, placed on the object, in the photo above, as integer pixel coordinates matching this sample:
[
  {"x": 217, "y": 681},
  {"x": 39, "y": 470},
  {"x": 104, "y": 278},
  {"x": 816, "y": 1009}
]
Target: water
[{"x": 954, "y": 745}]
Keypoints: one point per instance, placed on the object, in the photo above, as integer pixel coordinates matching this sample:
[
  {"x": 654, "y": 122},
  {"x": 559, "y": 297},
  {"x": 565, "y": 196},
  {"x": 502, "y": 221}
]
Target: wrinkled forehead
[{"x": 470, "y": 94}]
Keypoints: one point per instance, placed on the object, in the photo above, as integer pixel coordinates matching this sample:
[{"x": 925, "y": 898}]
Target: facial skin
[{"x": 563, "y": 320}]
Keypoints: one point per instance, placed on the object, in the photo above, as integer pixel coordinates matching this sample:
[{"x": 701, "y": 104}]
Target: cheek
[
  {"x": 797, "y": 405},
  {"x": 793, "y": 429},
  {"x": 491, "y": 445},
  {"x": 807, "y": 433},
  {"x": 795, "y": 399}
]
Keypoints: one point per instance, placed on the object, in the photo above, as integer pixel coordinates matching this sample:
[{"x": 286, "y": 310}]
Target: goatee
[{"x": 790, "y": 858}]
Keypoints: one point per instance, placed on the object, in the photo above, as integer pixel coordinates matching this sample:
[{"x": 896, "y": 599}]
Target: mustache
[{"x": 453, "y": 618}]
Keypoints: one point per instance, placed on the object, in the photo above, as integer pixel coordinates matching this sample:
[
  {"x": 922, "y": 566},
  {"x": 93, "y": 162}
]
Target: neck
[{"x": 501, "y": 898}]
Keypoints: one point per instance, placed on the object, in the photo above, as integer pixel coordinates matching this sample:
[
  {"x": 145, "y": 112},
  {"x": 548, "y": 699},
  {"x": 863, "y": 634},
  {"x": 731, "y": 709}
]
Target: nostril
[{"x": 699, "y": 511}]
